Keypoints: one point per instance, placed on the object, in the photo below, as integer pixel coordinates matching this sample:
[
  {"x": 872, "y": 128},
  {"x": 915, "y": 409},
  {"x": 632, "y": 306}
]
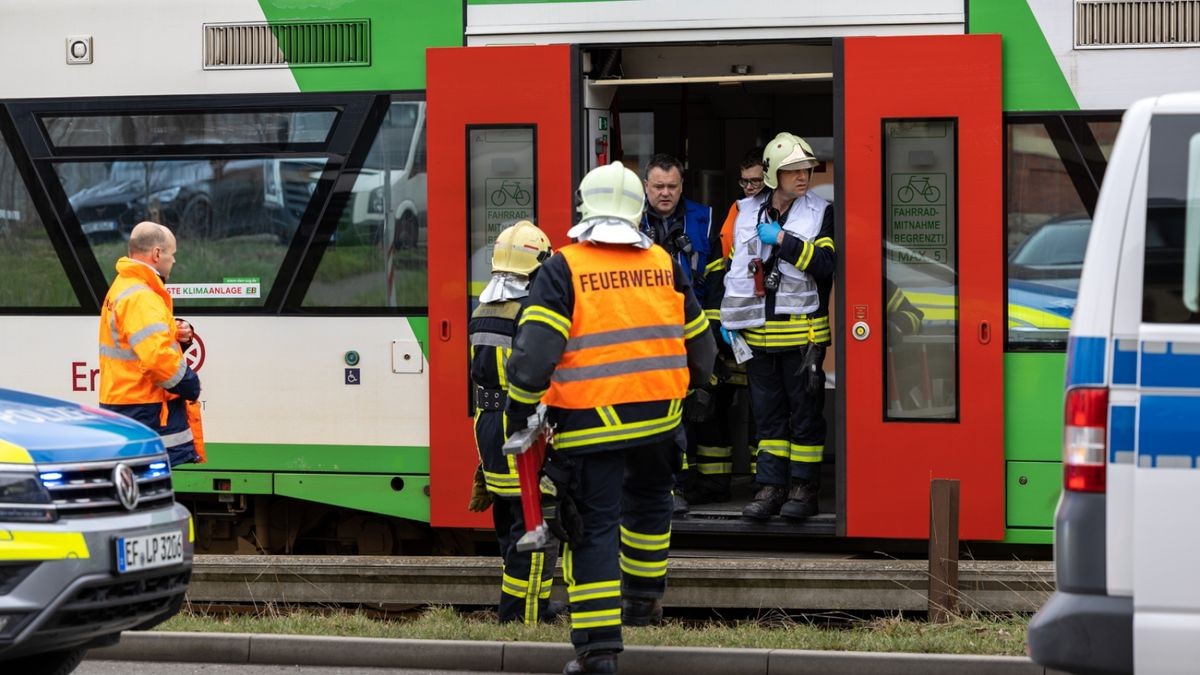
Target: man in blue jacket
[{"x": 683, "y": 228}]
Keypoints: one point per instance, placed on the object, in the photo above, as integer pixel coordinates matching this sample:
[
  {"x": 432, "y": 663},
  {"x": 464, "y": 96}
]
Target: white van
[{"x": 1127, "y": 531}]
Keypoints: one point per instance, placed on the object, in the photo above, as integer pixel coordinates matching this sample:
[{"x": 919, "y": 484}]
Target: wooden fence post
[{"x": 943, "y": 550}]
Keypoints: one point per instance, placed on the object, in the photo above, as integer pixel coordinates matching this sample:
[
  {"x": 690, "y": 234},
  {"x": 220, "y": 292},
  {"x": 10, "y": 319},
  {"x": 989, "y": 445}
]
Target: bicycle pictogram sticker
[
  {"x": 510, "y": 190},
  {"x": 918, "y": 185}
]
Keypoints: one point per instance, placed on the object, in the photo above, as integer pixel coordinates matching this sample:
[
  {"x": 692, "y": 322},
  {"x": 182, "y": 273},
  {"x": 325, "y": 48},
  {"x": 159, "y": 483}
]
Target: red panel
[
  {"x": 889, "y": 464},
  {"x": 479, "y": 86}
]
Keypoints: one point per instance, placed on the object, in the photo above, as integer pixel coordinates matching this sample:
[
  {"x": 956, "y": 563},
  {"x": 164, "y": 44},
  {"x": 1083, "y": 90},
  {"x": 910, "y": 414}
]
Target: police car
[
  {"x": 1127, "y": 543},
  {"x": 91, "y": 540}
]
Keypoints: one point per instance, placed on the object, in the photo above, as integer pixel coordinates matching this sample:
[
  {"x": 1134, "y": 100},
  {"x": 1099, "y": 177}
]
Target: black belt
[{"x": 490, "y": 399}]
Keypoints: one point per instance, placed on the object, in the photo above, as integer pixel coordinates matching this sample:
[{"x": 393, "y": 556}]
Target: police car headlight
[{"x": 24, "y": 498}]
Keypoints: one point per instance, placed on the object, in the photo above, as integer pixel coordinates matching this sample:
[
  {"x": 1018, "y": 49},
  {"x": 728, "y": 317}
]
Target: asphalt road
[{"x": 96, "y": 667}]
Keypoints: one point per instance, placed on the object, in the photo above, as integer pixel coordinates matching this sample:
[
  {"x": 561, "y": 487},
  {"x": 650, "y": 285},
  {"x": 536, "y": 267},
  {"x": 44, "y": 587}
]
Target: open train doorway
[{"x": 709, "y": 105}]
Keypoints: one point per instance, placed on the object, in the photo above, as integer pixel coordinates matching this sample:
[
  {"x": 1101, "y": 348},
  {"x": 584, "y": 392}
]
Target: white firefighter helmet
[
  {"x": 789, "y": 152},
  {"x": 611, "y": 199},
  {"x": 520, "y": 249}
]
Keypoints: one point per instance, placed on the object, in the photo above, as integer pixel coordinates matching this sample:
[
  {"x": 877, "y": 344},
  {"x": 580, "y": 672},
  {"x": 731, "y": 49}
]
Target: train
[{"x": 335, "y": 173}]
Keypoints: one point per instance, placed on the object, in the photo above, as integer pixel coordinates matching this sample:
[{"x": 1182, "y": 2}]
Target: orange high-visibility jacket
[
  {"x": 626, "y": 341},
  {"x": 139, "y": 358}
]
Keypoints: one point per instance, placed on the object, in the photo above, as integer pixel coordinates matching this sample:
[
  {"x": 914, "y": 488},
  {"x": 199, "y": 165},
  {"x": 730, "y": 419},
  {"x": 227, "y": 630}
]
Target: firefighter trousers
[
  {"x": 526, "y": 579},
  {"x": 525, "y": 585},
  {"x": 624, "y": 499},
  {"x": 790, "y": 420}
]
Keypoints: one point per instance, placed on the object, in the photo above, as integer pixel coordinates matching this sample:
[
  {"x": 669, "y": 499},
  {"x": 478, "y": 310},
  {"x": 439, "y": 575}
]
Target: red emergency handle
[{"x": 529, "y": 466}]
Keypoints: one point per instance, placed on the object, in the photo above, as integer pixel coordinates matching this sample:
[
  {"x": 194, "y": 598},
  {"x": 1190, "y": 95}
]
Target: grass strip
[{"x": 986, "y": 634}]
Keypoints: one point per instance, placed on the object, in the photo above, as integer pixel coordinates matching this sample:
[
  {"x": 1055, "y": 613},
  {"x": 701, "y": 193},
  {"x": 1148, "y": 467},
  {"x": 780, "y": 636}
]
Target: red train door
[
  {"x": 921, "y": 214},
  {"x": 501, "y": 136}
]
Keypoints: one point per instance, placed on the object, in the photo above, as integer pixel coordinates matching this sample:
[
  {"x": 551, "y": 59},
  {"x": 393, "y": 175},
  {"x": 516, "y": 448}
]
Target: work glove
[
  {"x": 558, "y": 507},
  {"x": 811, "y": 371},
  {"x": 481, "y": 499},
  {"x": 516, "y": 416},
  {"x": 727, "y": 335},
  {"x": 768, "y": 233},
  {"x": 895, "y": 332},
  {"x": 698, "y": 405}
]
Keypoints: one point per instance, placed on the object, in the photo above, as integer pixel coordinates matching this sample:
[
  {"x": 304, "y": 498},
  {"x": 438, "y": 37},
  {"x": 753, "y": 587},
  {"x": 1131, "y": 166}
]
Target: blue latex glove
[
  {"x": 727, "y": 335},
  {"x": 768, "y": 233}
]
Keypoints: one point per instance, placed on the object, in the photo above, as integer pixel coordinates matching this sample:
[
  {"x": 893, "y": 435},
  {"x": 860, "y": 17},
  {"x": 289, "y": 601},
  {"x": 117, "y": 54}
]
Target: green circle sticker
[{"x": 352, "y": 358}]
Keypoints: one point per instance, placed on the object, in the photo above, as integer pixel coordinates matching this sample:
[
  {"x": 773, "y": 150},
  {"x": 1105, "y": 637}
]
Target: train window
[
  {"x": 1054, "y": 168},
  {"x": 1169, "y": 286},
  {"x": 26, "y": 253},
  {"x": 502, "y": 190},
  {"x": 271, "y": 128},
  {"x": 377, "y": 256},
  {"x": 232, "y": 218},
  {"x": 920, "y": 237}
]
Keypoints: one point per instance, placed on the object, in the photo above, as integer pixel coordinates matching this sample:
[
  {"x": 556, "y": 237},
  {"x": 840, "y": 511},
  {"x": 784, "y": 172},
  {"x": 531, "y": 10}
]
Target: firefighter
[
  {"x": 525, "y": 583},
  {"x": 141, "y": 363},
  {"x": 609, "y": 342},
  {"x": 776, "y": 300},
  {"x": 682, "y": 227}
]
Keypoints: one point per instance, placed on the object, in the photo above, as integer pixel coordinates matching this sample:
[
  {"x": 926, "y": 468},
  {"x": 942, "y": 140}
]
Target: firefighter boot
[
  {"x": 767, "y": 502},
  {"x": 709, "y": 489},
  {"x": 802, "y": 500},
  {"x": 600, "y": 661},
  {"x": 641, "y": 611}
]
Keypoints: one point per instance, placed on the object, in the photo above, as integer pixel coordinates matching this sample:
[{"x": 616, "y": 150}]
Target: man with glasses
[{"x": 713, "y": 468}]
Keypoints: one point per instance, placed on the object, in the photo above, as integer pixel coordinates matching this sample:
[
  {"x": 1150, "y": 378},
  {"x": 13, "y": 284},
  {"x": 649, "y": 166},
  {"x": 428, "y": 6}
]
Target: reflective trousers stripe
[
  {"x": 645, "y": 542},
  {"x": 639, "y": 568},
  {"x": 178, "y": 438},
  {"x": 806, "y": 453}
]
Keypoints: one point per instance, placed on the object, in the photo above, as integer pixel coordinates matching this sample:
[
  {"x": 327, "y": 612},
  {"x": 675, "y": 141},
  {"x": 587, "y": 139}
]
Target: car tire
[
  {"x": 406, "y": 231},
  {"x": 49, "y": 663},
  {"x": 196, "y": 220}
]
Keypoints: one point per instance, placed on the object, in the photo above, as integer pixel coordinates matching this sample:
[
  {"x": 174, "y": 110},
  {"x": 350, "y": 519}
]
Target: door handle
[
  {"x": 445, "y": 330},
  {"x": 985, "y": 332}
]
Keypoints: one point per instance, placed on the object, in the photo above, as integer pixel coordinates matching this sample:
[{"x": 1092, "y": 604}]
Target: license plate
[
  {"x": 149, "y": 551},
  {"x": 99, "y": 226}
]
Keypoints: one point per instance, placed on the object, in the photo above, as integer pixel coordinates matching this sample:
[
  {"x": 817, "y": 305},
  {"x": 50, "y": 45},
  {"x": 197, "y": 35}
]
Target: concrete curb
[{"x": 535, "y": 657}]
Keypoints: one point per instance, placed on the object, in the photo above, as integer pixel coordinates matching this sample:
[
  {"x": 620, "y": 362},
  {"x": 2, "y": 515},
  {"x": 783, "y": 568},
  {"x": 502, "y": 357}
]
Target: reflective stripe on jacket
[{"x": 626, "y": 337}]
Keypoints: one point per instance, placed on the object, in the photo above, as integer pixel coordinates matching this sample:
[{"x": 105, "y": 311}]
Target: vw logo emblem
[{"x": 127, "y": 487}]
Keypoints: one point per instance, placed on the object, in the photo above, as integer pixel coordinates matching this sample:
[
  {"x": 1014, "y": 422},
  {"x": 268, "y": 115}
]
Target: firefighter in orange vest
[
  {"x": 610, "y": 341},
  {"x": 525, "y": 585},
  {"x": 141, "y": 363}
]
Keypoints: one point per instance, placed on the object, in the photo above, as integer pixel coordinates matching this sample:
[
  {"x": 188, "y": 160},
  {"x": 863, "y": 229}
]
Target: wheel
[
  {"x": 498, "y": 198},
  {"x": 522, "y": 197},
  {"x": 49, "y": 663},
  {"x": 905, "y": 194},
  {"x": 406, "y": 231},
  {"x": 932, "y": 194},
  {"x": 196, "y": 221}
]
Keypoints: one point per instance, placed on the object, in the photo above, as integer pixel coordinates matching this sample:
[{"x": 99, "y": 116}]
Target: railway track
[{"x": 791, "y": 583}]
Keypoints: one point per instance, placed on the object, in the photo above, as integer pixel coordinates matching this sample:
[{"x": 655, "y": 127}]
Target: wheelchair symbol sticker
[{"x": 353, "y": 376}]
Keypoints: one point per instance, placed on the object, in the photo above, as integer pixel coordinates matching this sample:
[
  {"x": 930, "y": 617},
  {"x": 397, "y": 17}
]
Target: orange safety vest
[
  {"x": 139, "y": 358},
  {"x": 626, "y": 343}
]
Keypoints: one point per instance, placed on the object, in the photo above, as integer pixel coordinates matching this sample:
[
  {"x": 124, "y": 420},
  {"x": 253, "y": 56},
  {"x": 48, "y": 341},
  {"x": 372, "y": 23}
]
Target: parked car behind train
[{"x": 200, "y": 199}]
